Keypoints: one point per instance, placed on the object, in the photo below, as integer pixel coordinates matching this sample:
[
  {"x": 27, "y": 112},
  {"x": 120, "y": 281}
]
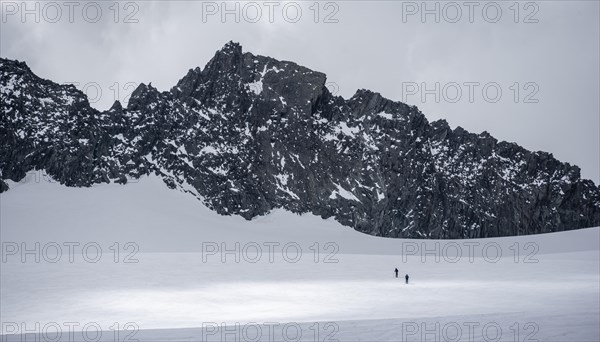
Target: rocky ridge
[{"x": 249, "y": 133}]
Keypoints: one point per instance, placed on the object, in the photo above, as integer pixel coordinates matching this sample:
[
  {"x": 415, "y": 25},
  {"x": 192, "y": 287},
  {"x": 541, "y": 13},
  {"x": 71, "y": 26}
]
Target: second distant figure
[
  {"x": 396, "y": 271},
  {"x": 406, "y": 277}
]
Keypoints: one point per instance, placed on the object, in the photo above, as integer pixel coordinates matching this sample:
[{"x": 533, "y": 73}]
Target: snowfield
[{"x": 143, "y": 262}]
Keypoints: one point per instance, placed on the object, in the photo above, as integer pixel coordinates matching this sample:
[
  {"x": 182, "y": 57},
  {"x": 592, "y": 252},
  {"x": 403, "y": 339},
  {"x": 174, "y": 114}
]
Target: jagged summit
[
  {"x": 231, "y": 47},
  {"x": 250, "y": 133}
]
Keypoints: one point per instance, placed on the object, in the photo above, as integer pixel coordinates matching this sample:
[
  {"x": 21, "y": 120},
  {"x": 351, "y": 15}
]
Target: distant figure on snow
[
  {"x": 406, "y": 278},
  {"x": 396, "y": 270}
]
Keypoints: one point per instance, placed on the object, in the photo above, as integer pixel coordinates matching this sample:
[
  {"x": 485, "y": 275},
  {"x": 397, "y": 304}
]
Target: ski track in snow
[{"x": 170, "y": 296}]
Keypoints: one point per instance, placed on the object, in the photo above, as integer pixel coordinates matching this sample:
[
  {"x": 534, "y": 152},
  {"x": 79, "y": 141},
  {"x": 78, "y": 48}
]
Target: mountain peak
[
  {"x": 248, "y": 134},
  {"x": 230, "y": 50},
  {"x": 231, "y": 46},
  {"x": 227, "y": 59}
]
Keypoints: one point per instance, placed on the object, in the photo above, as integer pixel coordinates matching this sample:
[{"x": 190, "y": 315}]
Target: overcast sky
[{"x": 543, "y": 56}]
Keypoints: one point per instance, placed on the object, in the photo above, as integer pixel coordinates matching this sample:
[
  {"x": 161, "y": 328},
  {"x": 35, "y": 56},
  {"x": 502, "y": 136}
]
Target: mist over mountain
[{"x": 249, "y": 133}]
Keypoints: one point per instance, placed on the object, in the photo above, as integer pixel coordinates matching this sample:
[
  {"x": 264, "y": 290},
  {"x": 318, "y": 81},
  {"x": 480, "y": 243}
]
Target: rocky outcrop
[{"x": 248, "y": 133}]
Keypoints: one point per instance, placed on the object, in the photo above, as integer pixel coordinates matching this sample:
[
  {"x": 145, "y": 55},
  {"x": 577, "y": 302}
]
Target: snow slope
[
  {"x": 175, "y": 279},
  {"x": 162, "y": 220}
]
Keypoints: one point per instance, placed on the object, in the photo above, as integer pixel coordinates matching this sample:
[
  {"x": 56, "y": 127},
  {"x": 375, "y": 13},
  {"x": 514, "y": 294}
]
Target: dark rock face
[{"x": 249, "y": 133}]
